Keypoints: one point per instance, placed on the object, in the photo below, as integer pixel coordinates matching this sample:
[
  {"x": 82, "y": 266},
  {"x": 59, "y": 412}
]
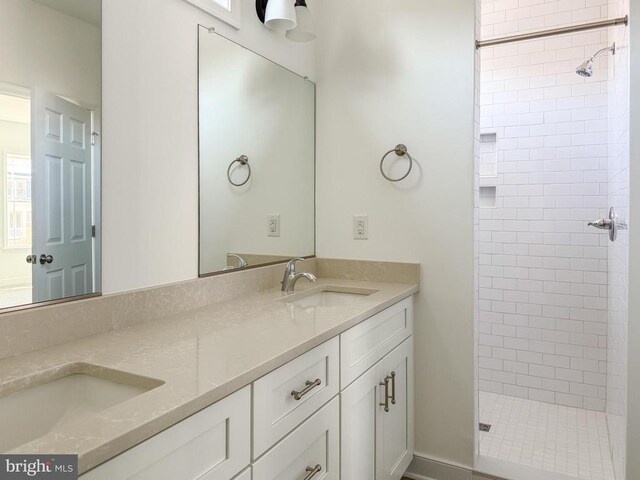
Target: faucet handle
[{"x": 291, "y": 265}]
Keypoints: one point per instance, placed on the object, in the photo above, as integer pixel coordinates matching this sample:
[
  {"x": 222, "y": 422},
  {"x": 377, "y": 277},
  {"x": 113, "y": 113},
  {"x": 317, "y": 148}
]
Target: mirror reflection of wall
[
  {"x": 50, "y": 102},
  {"x": 257, "y": 125}
]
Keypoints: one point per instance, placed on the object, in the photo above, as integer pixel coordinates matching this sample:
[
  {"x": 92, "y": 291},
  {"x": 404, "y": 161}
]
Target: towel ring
[
  {"x": 242, "y": 160},
  {"x": 401, "y": 151}
]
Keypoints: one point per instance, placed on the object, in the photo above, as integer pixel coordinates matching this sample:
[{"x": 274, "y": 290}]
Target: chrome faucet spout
[
  {"x": 309, "y": 276},
  {"x": 291, "y": 277},
  {"x": 242, "y": 263}
]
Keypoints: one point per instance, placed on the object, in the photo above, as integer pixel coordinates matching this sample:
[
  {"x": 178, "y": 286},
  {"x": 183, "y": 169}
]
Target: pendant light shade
[
  {"x": 304, "y": 31},
  {"x": 280, "y": 15}
]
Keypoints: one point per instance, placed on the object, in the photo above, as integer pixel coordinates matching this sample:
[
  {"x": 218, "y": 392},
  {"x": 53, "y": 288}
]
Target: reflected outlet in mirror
[{"x": 257, "y": 159}]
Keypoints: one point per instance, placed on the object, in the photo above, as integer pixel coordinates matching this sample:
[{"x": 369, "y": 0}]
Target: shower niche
[{"x": 489, "y": 154}]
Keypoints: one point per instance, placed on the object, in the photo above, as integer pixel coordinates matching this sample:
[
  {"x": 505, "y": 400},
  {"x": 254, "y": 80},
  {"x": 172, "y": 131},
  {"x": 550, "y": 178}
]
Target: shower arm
[{"x": 611, "y": 49}]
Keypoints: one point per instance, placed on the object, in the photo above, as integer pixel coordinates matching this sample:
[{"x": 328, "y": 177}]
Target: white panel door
[
  {"x": 395, "y": 426},
  {"x": 62, "y": 227},
  {"x": 360, "y": 403}
]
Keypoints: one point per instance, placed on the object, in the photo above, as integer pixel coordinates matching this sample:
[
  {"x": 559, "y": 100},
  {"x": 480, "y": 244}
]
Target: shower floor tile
[{"x": 550, "y": 437}]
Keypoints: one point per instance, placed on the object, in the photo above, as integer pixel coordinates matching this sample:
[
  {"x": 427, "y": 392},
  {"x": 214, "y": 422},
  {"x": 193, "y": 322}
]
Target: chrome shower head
[{"x": 586, "y": 68}]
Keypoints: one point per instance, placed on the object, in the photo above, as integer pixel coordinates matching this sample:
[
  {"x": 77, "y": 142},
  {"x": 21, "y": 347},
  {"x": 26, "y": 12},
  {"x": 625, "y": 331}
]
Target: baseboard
[{"x": 424, "y": 468}]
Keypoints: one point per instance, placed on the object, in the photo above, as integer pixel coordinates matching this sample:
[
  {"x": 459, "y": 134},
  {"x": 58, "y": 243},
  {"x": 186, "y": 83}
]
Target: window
[
  {"x": 226, "y": 10},
  {"x": 18, "y": 201}
]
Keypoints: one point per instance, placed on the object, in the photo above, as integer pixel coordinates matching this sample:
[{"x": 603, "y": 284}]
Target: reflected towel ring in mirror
[
  {"x": 401, "y": 151},
  {"x": 242, "y": 160}
]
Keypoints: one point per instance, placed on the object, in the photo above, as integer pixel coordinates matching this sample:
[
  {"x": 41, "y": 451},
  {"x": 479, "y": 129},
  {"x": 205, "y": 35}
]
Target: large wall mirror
[
  {"x": 50, "y": 103},
  {"x": 257, "y": 159}
]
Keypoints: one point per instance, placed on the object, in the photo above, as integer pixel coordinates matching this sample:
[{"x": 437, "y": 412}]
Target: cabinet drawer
[
  {"x": 275, "y": 409},
  {"x": 313, "y": 444},
  {"x": 364, "y": 345},
  {"x": 213, "y": 444}
]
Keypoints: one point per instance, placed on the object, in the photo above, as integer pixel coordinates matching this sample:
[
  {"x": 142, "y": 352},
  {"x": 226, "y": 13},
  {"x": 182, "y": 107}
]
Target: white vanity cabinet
[
  {"x": 312, "y": 451},
  {"x": 284, "y": 398},
  {"x": 377, "y": 408},
  {"x": 341, "y": 411},
  {"x": 213, "y": 444}
]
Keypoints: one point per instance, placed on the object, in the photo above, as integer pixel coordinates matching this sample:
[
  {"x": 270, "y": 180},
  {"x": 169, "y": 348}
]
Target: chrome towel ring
[
  {"x": 242, "y": 160},
  {"x": 401, "y": 151}
]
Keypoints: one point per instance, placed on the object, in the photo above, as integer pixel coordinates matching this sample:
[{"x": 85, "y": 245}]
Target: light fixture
[
  {"x": 277, "y": 14},
  {"x": 304, "y": 31}
]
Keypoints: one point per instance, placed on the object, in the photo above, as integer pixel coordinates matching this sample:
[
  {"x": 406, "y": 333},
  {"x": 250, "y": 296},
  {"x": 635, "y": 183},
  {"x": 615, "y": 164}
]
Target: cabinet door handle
[
  {"x": 393, "y": 388},
  {"x": 311, "y": 471},
  {"x": 310, "y": 386},
  {"x": 385, "y": 384}
]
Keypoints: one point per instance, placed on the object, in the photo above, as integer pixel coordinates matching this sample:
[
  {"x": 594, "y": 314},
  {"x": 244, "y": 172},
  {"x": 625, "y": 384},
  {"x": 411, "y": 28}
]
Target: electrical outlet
[
  {"x": 361, "y": 227},
  {"x": 273, "y": 225}
]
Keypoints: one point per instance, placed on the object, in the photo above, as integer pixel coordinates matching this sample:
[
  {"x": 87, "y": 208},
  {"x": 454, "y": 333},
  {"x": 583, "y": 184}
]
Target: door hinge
[
  {"x": 94, "y": 134},
  {"x": 93, "y": 231}
]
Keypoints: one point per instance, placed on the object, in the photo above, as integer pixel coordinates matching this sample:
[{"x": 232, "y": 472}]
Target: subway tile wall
[{"x": 543, "y": 273}]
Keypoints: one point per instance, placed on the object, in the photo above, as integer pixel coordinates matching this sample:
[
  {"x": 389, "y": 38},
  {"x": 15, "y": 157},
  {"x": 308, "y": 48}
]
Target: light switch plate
[
  {"x": 273, "y": 225},
  {"x": 361, "y": 227}
]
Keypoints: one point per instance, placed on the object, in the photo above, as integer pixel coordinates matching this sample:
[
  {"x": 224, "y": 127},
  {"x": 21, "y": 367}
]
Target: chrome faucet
[
  {"x": 242, "y": 263},
  {"x": 291, "y": 277}
]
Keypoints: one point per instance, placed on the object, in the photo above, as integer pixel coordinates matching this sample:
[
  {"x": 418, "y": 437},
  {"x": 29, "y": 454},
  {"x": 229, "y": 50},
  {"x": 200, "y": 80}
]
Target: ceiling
[{"x": 85, "y": 10}]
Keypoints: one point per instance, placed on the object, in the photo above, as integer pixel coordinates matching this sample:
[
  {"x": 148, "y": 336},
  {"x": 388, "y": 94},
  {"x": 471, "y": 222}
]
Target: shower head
[{"x": 586, "y": 68}]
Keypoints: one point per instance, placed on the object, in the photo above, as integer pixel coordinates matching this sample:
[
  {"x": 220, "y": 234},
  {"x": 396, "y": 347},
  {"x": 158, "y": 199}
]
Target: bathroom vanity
[
  {"x": 206, "y": 379},
  {"x": 344, "y": 409}
]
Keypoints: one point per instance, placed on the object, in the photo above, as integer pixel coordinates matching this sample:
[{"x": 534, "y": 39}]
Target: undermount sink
[
  {"x": 76, "y": 392},
  {"x": 328, "y": 296}
]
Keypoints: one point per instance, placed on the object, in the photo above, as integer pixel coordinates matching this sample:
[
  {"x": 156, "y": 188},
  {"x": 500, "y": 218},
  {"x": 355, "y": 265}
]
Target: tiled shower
[{"x": 552, "y": 155}]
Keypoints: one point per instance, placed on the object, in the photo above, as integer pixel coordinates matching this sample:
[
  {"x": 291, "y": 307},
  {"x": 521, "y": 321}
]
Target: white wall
[
  {"x": 394, "y": 72},
  {"x": 250, "y": 106},
  {"x": 69, "y": 67},
  {"x": 543, "y": 271},
  {"x": 633, "y": 341},
  {"x": 150, "y": 133}
]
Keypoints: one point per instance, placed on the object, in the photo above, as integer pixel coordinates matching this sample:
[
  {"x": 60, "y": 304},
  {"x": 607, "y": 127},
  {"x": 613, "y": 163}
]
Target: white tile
[{"x": 560, "y": 439}]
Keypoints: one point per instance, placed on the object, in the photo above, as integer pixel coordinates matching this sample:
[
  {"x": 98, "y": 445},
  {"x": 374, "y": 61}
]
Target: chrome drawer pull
[
  {"x": 312, "y": 472},
  {"x": 310, "y": 386},
  {"x": 393, "y": 388},
  {"x": 385, "y": 384}
]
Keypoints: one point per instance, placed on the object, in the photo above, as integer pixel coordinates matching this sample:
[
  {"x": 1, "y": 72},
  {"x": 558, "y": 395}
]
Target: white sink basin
[
  {"x": 80, "y": 392},
  {"x": 329, "y": 296}
]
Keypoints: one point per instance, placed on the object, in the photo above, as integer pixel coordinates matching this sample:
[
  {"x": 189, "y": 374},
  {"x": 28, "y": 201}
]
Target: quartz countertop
[{"x": 201, "y": 356}]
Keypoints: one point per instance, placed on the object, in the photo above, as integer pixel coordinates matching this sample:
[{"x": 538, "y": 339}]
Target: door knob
[
  {"x": 31, "y": 259},
  {"x": 45, "y": 259}
]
